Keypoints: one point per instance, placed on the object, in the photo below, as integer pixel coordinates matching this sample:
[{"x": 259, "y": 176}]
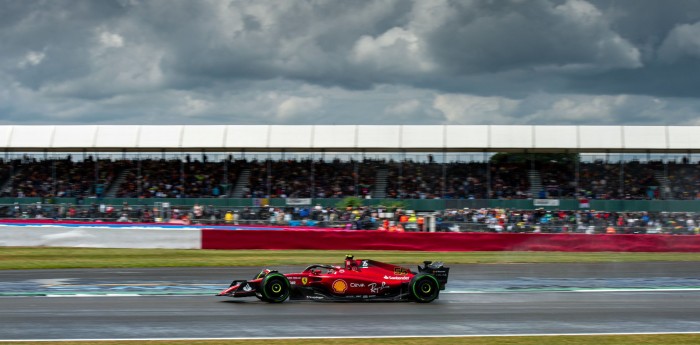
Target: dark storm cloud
[
  {"x": 659, "y": 80},
  {"x": 210, "y": 41},
  {"x": 663, "y": 32},
  {"x": 51, "y": 28},
  {"x": 302, "y": 40},
  {"x": 525, "y": 35},
  {"x": 507, "y": 61},
  {"x": 646, "y": 23}
]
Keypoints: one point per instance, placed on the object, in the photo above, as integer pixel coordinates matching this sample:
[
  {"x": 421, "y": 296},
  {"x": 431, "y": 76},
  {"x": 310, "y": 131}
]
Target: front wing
[{"x": 241, "y": 288}]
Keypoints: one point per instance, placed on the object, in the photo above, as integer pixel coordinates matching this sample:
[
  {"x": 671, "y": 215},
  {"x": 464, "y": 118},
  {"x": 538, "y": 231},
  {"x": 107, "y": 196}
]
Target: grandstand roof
[{"x": 349, "y": 138}]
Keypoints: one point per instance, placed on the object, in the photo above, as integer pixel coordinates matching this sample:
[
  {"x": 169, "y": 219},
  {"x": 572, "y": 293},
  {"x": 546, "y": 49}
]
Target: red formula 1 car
[{"x": 356, "y": 280}]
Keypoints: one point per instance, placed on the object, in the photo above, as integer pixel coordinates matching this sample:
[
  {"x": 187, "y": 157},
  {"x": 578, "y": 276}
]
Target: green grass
[
  {"x": 50, "y": 257},
  {"x": 671, "y": 339}
]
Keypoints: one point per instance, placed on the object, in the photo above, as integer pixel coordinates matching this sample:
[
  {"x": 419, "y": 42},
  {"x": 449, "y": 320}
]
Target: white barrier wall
[{"x": 27, "y": 236}]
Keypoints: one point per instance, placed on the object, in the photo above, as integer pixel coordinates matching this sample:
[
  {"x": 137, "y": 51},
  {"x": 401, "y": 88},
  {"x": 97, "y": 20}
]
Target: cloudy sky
[{"x": 569, "y": 62}]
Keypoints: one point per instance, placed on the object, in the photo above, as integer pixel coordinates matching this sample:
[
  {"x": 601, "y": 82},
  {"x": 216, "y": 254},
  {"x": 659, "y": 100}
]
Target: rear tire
[
  {"x": 275, "y": 288},
  {"x": 424, "y": 288}
]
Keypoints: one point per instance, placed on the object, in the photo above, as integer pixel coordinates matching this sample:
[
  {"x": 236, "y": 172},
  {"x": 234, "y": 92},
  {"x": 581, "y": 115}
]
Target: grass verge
[{"x": 51, "y": 257}]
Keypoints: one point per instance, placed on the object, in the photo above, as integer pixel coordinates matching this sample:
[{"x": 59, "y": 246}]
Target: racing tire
[
  {"x": 275, "y": 288},
  {"x": 424, "y": 288},
  {"x": 259, "y": 295}
]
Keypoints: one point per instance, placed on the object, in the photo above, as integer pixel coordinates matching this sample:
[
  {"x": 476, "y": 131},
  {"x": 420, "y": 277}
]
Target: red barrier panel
[{"x": 421, "y": 241}]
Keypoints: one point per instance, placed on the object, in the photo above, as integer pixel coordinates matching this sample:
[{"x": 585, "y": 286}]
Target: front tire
[
  {"x": 424, "y": 288},
  {"x": 275, "y": 288}
]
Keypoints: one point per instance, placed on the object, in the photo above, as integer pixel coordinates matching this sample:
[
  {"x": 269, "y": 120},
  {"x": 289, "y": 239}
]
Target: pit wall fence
[
  {"x": 411, "y": 204},
  {"x": 270, "y": 238}
]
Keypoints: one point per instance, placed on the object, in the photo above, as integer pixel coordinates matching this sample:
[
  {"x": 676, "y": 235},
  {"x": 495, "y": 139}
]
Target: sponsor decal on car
[
  {"x": 304, "y": 281},
  {"x": 247, "y": 287},
  {"x": 396, "y": 278},
  {"x": 339, "y": 286},
  {"x": 400, "y": 271},
  {"x": 376, "y": 288}
]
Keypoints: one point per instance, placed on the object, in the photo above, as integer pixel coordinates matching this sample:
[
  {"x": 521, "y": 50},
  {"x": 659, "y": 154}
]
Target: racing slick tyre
[
  {"x": 424, "y": 288},
  {"x": 258, "y": 294},
  {"x": 275, "y": 288}
]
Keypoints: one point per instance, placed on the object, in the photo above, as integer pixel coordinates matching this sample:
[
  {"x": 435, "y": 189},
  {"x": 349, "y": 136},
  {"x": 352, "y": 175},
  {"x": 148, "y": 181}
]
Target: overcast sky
[{"x": 567, "y": 62}]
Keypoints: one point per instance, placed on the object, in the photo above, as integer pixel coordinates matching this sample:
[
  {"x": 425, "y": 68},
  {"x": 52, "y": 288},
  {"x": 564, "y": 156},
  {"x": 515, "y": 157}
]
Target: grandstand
[{"x": 447, "y": 163}]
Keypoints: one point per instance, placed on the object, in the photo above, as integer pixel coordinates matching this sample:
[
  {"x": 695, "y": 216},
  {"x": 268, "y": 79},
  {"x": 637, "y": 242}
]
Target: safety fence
[
  {"x": 249, "y": 237},
  {"x": 469, "y": 227},
  {"x": 452, "y": 242}
]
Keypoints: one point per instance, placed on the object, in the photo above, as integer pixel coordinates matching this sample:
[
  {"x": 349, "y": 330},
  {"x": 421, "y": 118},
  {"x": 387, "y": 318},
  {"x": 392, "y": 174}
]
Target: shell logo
[{"x": 339, "y": 286}]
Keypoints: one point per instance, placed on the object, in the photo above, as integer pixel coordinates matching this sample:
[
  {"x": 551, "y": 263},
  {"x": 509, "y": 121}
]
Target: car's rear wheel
[
  {"x": 424, "y": 288},
  {"x": 275, "y": 288}
]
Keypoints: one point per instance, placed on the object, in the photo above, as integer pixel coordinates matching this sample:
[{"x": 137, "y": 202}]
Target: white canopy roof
[{"x": 352, "y": 138}]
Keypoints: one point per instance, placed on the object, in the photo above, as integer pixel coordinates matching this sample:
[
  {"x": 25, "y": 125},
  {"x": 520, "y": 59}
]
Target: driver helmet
[{"x": 350, "y": 263}]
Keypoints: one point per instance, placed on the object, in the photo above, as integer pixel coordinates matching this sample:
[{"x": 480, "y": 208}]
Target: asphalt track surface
[{"x": 479, "y": 300}]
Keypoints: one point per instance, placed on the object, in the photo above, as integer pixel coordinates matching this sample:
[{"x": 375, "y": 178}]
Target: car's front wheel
[
  {"x": 275, "y": 288},
  {"x": 424, "y": 288}
]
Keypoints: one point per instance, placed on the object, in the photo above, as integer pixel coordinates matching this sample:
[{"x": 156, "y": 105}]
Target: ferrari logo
[{"x": 304, "y": 280}]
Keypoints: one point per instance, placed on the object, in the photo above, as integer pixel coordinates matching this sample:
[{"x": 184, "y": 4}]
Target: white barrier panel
[{"x": 27, "y": 236}]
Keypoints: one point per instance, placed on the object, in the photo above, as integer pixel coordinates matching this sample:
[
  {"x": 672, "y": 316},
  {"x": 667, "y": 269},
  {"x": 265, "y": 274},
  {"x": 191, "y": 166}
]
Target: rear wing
[{"x": 438, "y": 270}]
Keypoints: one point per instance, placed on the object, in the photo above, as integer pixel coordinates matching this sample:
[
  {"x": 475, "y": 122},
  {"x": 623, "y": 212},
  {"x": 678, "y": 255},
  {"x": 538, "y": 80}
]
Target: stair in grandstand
[
  {"x": 113, "y": 188},
  {"x": 239, "y": 189},
  {"x": 665, "y": 185},
  {"x": 7, "y": 184},
  {"x": 380, "y": 184},
  {"x": 535, "y": 180}
]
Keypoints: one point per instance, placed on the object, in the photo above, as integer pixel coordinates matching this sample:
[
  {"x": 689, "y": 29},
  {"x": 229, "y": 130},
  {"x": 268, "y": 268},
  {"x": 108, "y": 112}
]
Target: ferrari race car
[{"x": 356, "y": 280}]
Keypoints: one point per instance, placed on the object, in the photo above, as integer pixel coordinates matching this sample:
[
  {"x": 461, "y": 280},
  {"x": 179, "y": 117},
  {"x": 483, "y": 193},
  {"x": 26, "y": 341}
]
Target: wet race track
[{"x": 479, "y": 300}]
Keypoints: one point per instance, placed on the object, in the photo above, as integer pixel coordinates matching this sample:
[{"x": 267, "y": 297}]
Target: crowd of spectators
[
  {"x": 310, "y": 179},
  {"x": 683, "y": 182},
  {"x": 569, "y": 221},
  {"x": 425, "y": 180},
  {"x": 597, "y": 180},
  {"x": 29, "y": 177},
  {"x": 307, "y": 178},
  {"x": 199, "y": 213},
  {"x": 176, "y": 179},
  {"x": 633, "y": 180},
  {"x": 373, "y": 218},
  {"x": 410, "y": 180}
]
